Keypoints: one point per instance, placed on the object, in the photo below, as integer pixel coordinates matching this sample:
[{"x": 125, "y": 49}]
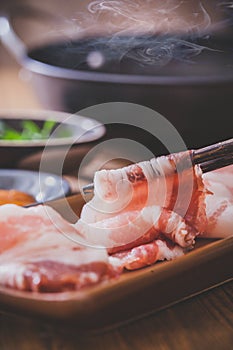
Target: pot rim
[{"x": 48, "y": 70}]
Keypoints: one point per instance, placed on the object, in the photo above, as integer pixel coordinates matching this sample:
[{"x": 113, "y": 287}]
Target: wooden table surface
[{"x": 202, "y": 322}]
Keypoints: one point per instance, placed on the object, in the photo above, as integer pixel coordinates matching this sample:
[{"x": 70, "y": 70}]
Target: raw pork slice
[
  {"x": 137, "y": 227},
  {"x": 146, "y": 212},
  {"x": 171, "y": 182},
  {"x": 219, "y": 203},
  {"x": 147, "y": 254},
  {"x": 39, "y": 251}
]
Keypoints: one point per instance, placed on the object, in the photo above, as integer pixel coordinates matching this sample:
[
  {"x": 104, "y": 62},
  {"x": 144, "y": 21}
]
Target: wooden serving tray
[{"x": 132, "y": 295}]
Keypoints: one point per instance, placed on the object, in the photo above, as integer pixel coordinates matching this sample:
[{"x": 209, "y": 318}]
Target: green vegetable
[
  {"x": 30, "y": 130},
  {"x": 47, "y": 128}
]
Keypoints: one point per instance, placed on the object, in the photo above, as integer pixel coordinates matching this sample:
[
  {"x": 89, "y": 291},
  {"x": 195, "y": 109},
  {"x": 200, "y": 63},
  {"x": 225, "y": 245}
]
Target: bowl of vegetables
[{"x": 24, "y": 132}]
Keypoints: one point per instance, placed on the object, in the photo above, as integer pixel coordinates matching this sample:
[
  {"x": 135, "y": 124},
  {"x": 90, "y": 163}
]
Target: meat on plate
[{"x": 139, "y": 214}]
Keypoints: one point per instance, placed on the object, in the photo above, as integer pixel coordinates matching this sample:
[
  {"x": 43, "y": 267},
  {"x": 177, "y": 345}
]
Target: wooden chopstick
[
  {"x": 209, "y": 158},
  {"x": 216, "y": 151},
  {"x": 215, "y": 156},
  {"x": 217, "y": 163}
]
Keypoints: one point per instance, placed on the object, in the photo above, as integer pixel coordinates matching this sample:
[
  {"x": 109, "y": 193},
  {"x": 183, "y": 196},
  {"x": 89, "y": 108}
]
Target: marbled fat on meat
[
  {"x": 148, "y": 211},
  {"x": 40, "y": 252},
  {"x": 130, "y": 223}
]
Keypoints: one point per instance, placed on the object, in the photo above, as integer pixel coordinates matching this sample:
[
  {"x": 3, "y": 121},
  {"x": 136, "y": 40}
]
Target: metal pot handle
[{"x": 11, "y": 41}]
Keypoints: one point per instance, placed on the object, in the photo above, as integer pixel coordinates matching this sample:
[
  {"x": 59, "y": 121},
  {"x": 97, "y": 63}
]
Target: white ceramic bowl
[{"x": 79, "y": 130}]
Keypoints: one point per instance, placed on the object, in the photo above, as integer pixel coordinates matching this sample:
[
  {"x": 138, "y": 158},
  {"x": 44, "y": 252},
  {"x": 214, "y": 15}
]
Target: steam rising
[
  {"x": 160, "y": 19},
  {"x": 151, "y": 17},
  {"x": 148, "y": 32}
]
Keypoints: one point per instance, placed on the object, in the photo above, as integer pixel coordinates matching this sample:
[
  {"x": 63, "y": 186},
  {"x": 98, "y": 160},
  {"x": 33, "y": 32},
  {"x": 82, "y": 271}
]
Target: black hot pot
[{"x": 190, "y": 82}]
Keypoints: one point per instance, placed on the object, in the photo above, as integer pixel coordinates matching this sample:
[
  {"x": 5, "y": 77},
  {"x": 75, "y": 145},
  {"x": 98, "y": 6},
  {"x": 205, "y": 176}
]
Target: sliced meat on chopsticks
[
  {"x": 171, "y": 182},
  {"x": 133, "y": 228},
  {"x": 39, "y": 252},
  {"x": 149, "y": 211},
  {"x": 154, "y": 210}
]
